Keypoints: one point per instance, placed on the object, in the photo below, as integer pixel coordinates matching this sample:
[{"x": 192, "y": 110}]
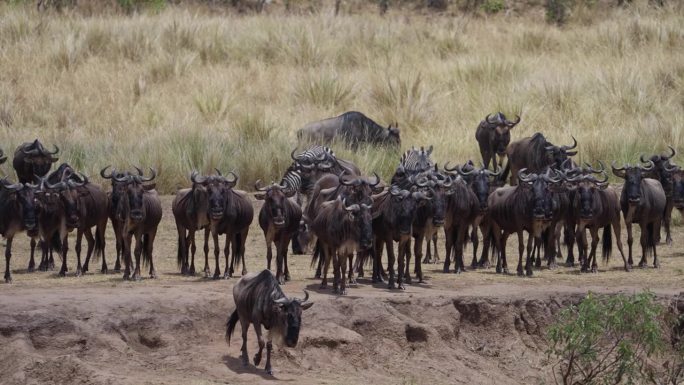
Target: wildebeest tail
[
  {"x": 230, "y": 325},
  {"x": 146, "y": 255},
  {"x": 99, "y": 245},
  {"x": 651, "y": 239},
  {"x": 316, "y": 253},
  {"x": 237, "y": 247},
  {"x": 607, "y": 248},
  {"x": 56, "y": 244},
  {"x": 179, "y": 253}
]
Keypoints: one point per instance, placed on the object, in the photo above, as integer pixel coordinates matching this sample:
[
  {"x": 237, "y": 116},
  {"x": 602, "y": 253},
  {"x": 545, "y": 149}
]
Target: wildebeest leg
[
  {"x": 287, "y": 270},
  {"x": 279, "y": 262},
  {"x": 630, "y": 239},
  {"x": 521, "y": 250},
  {"x": 476, "y": 243},
  {"x": 242, "y": 247},
  {"x": 65, "y": 247},
  {"x": 390, "y": 261},
  {"x": 361, "y": 257},
  {"x": 458, "y": 249},
  {"x": 32, "y": 261},
  {"x": 269, "y": 349},
  {"x": 667, "y": 218},
  {"x": 245, "y": 328},
  {"x": 325, "y": 253},
  {"x": 342, "y": 265},
  {"x": 91, "y": 245},
  {"x": 569, "y": 237},
  {"x": 318, "y": 250},
  {"x": 138, "y": 253},
  {"x": 377, "y": 255},
  {"x": 336, "y": 269},
  {"x": 418, "y": 250},
  {"x": 594, "y": 243},
  {"x": 644, "y": 240},
  {"x": 8, "y": 256},
  {"x": 350, "y": 260},
  {"x": 119, "y": 250},
  {"x": 582, "y": 247},
  {"x": 262, "y": 343},
  {"x": 126, "y": 254},
  {"x": 79, "y": 239},
  {"x": 435, "y": 237},
  {"x": 407, "y": 264},
  {"x": 51, "y": 259},
  {"x": 485, "y": 229},
  {"x": 214, "y": 237},
  {"x": 149, "y": 249},
  {"x": 449, "y": 235},
  {"x": 269, "y": 253},
  {"x": 617, "y": 231},
  {"x": 228, "y": 271},
  {"x": 190, "y": 243},
  {"x": 418, "y": 268},
  {"x": 403, "y": 259}
]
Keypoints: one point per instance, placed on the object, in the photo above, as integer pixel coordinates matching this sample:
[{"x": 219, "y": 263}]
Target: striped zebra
[
  {"x": 314, "y": 154},
  {"x": 414, "y": 161}
]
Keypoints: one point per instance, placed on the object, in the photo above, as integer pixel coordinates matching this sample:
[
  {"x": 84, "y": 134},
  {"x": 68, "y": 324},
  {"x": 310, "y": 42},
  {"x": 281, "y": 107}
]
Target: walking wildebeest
[
  {"x": 493, "y": 136},
  {"x": 190, "y": 209},
  {"x": 353, "y": 127},
  {"x": 342, "y": 230},
  {"x": 17, "y": 213},
  {"x": 642, "y": 201},
  {"x": 31, "y": 159},
  {"x": 279, "y": 219},
  {"x": 138, "y": 209},
  {"x": 595, "y": 205},
  {"x": 663, "y": 171},
  {"x": 259, "y": 300},
  {"x": 515, "y": 209},
  {"x": 535, "y": 154}
]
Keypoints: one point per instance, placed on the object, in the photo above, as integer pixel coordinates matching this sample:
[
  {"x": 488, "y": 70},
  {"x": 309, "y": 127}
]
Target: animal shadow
[{"x": 235, "y": 365}]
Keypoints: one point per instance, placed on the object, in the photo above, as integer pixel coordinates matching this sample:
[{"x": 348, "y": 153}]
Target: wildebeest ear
[
  {"x": 149, "y": 187},
  {"x": 260, "y": 197},
  {"x": 307, "y": 305}
]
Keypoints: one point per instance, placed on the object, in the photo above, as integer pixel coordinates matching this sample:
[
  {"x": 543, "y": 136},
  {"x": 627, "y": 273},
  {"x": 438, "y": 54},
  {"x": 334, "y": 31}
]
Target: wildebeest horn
[
  {"x": 601, "y": 182},
  {"x": 143, "y": 179},
  {"x": 377, "y": 180},
  {"x": 420, "y": 195},
  {"x": 51, "y": 153},
  {"x": 324, "y": 165},
  {"x": 429, "y": 150},
  {"x": 421, "y": 184},
  {"x": 306, "y": 297},
  {"x": 235, "y": 178},
  {"x": 493, "y": 173},
  {"x": 292, "y": 154},
  {"x": 367, "y": 207},
  {"x": 591, "y": 169},
  {"x": 195, "y": 177},
  {"x": 342, "y": 181},
  {"x": 673, "y": 153},
  {"x": 446, "y": 167},
  {"x": 57, "y": 186},
  {"x": 642, "y": 158},
  {"x": 102, "y": 173},
  {"x": 526, "y": 178},
  {"x": 218, "y": 172},
  {"x": 573, "y": 145},
  {"x": 257, "y": 187},
  {"x": 321, "y": 157},
  {"x": 124, "y": 178},
  {"x": 82, "y": 179},
  {"x": 547, "y": 177},
  {"x": 489, "y": 121},
  {"x": 282, "y": 301},
  {"x": 649, "y": 166},
  {"x": 669, "y": 167},
  {"x": 34, "y": 151},
  {"x": 511, "y": 124},
  {"x": 550, "y": 148},
  {"x": 459, "y": 170},
  {"x": 9, "y": 186},
  {"x": 618, "y": 171}
]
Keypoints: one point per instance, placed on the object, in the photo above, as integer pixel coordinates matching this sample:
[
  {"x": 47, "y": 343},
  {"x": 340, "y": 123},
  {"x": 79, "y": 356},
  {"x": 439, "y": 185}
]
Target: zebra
[{"x": 413, "y": 162}]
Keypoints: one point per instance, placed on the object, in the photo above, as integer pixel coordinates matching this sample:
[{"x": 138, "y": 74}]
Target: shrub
[{"x": 493, "y": 6}]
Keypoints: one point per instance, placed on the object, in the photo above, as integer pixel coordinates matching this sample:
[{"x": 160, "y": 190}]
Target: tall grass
[{"x": 180, "y": 90}]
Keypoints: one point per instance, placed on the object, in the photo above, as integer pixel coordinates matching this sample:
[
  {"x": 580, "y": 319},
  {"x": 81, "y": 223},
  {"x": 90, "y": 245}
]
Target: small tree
[{"x": 606, "y": 340}]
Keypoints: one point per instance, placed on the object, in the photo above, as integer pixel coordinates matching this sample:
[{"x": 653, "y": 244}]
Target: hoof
[
  {"x": 8, "y": 278},
  {"x": 656, "y": 265},
  {"x": 408, "y": 279},
  {"x": 628, "y": 268},
  {"x": 137, "y": 277},
  {"x": 520, "y": 272},
  {"x": 499, "y": 270},
  {"x": 569, "y": 264},
  {"x": 505, "y": 270},
  {"x": 594, "y": 270},
  {"x": 104, "y": 271},
  {"x": 401, "y": 286},
  {"x": 391, "y": 285},
  {"x": 62, "y": 273},
  {"x": 445, "y": 270},
  {"x": 31, "y": 269},
  {"x": 343, "y": 292},
  {"x": 458, "y": 270},
  {"x": 153, "y": 275},
  {"x": 257, "y": 359},
  {"x": 226, "y": 275},
  {"x": 529, "y": 272},
  {"x": 269, "y": 372},
  {"x": 287, "y": 277},
  {"x": 79, "y": 272},
  {"x": 323, "y": 287}
]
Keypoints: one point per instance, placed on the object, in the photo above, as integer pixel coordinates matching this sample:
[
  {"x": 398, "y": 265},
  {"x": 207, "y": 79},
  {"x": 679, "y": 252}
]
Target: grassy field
[{"x": 180, "y": 90}]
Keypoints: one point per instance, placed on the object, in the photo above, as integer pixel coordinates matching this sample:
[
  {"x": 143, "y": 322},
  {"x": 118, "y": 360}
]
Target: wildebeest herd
[{"x": 347, "y": 218}]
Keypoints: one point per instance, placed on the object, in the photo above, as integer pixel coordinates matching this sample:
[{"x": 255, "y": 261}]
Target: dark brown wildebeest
[
  {"x": 535, "y": 154},
  {"x": 112, "y": 202},
  {"x": 31, "y": 159},
  {"x": 259, "y": 300},
  {"x": 493, "y": 136},
  {"x": 663, "y": 172},
  {"x": 595, "y": 205},
  {"x": 342, "y": 230},
  {"x": 279, "y": 218},
  {"x": 642, "y": 201},
  {"x": 352, "y": 127},
  {"x": 515, "y": 209},
  {"x": 393, "y": 214},
  {"x": 230, "y": 213},
  {"x": 678, "y": 189},
  {"x": 17, "y": 213},
  {"x": 190, "y": 210},
  {"x": 138, "y": 210}
]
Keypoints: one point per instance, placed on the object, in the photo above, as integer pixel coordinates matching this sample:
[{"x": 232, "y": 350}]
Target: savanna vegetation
[{"x": 180, "y": 88}]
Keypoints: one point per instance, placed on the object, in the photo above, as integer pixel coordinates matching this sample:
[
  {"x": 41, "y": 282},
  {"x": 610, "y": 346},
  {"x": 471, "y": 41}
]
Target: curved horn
[
  {"x": 235, "y": 178},
  {"x": 669, "y": 167},
  {"x": 57, "y": 186},
  {"x": 152, "y": 171},
  {"x": 9, "y": 186},
  {"x": 649, "y": 166},
  {"x": 423, "y": 183},
  {"x": 377, "y": 180},
  {"x": 511, "y": 124},
  {"x": 218, "y": 172},
  {"x": 282, "y": 301},
  {"x": 489, "y": 121},
  {"x": 642, "y": 158},
  {"x": 460, "y": 171},
  {"x": 306, "y": 297},
  {"x": 35, "y": 151},
  {"x": 550, "y": 148},
  {"x": 673, "y": 153},
  {"x": 257, "y": 187},
  {"x": 395, "y": 191},
  {"x": 616, "y": 170},
  {"x": 292, "y": 154},
  {"x": 102, "y": 173},
  {"x": 122, "y": 179},
  {"x": 365, "y": 206},
  {"x": 522, "y": 175},
  {"x": 53, "y": 152},
  {"x": 446, "y": 167},
  {"x": 493, "y": 173},
  {"x": 195, "y": 177},
  {"x": 601, "y": 182},
  {"x": 574, "y": 144}
]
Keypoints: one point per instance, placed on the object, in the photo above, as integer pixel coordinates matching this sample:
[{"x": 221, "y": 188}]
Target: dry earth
[{"x": 474, "y": 328}]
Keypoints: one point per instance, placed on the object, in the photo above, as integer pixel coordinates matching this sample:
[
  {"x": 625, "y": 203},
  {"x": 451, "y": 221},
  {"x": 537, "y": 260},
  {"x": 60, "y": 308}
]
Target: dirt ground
[{"x": 477, "y": 328}]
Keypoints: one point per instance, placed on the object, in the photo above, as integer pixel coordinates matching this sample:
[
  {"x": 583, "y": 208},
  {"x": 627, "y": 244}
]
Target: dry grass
[{"x": 178, "y": 90}]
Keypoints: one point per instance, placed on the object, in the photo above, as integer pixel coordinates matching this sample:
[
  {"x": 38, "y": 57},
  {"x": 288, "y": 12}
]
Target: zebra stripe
[
  {"x": 416, "y": 160},
  {"x": 313, "y": 153}
]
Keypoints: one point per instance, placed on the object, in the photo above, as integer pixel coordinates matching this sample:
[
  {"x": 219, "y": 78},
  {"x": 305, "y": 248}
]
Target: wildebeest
[
  {"x": 642, "y": 201},
  {"x": 230, "y": 213},
  {"x": 515, "y": 209},
  {"x": 259, "y": 300},
  {"x": 678, "y": 189},
  {"x": 353, "y": 127},
  {"x": 663, "y": 172},
  {"x": 279, "y": 218},
  {"x": 393, "y": 214},
  {"x": 31, "y": 159},
  {"x": 17, "y": 213},
  {"x": 341, "y": 230},
  {"x": 595, "y": 205},
  {"x": 535, "y": 154},
  {"x": 112, "y": 203},
  {"x": 190, "y": 210},
  {"x": 493, "y": 136},
  {"x": 138, "y": 209}
]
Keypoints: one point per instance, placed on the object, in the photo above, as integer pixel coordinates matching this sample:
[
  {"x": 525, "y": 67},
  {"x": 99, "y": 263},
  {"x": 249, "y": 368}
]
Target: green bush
[{"x": 493, "y": 6}]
